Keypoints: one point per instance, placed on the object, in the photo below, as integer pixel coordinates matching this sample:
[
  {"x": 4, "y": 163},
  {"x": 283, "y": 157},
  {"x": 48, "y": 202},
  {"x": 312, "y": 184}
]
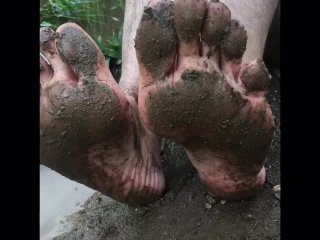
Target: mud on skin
[
  {"x": 78, "y": 118},
  {"x": 84, "y": 56},
  {"x": 210, "y": 104},
  {"x": 158, "y": 17},
  {"x": 89, "y": 131},
  {"x": 190, "y": 105}
]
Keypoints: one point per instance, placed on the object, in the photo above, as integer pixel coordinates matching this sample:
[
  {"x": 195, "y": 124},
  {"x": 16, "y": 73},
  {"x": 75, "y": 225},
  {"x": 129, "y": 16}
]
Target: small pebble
[
  {"x": 208, "y": 206},
  {"x": 198, "y": 223},
  {"x": 249, "y": 216},
  {"x": 223, "y": 202},
  {"x": 276, "y": 190},
  {"x": 210, "y": 200}
]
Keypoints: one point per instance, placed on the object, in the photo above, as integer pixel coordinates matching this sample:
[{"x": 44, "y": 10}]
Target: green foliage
[
  {"x": 112, "y": 46},
  {"x": 90, "y": 13}
]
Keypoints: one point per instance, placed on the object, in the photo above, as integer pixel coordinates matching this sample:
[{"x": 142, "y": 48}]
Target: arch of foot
[
  {"x": 195, "y": 90},
  {"x": 89, "y": 130}
]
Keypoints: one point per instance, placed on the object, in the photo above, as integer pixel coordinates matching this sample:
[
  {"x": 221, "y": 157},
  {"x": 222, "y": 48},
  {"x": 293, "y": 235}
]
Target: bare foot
[
  {"x": 90, "y": 131},
  {"x": 195, "y": 90}
]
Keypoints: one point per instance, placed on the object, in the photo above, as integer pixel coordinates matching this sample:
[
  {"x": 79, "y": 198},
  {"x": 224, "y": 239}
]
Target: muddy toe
[
  {"x": 215, "y": 26},
  {"x": 156, "y": 41},
  {"x": 234, "y": 41}
]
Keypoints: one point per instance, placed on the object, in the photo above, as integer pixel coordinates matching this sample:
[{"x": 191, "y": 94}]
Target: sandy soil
[{"x": 187, "y": 212}]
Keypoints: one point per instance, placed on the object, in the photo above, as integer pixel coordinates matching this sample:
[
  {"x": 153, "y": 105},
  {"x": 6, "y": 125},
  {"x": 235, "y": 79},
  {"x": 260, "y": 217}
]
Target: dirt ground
[{"x": 187, "y": 212}]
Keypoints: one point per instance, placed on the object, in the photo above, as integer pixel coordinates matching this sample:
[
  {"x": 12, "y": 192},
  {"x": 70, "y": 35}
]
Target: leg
[
  {"x": 90, "y": 130},
  {"x": 129, "y": 81},
  {"x": 256, "y": 17},
  {"x": 201, "y": 93}
]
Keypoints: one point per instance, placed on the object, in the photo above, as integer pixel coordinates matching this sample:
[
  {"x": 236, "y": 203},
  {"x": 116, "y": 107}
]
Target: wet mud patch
[
  {"x": 75, "y": 118},
  {"x": 190, "y": 102}
]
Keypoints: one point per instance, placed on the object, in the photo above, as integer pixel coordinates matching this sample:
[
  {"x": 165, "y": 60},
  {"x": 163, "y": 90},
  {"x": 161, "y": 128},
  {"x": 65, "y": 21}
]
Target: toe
[
  {"x": 156, "y": 41},
  {"x": 188, "y": 20},
  {"x": 51, "y": 65},
  {"x": 255, "y": 77},
  {"x": 77, "y": 49},
  {"x": 47, "y": 41},
  {"x": 46, "y": 72},
  {"x": 232, "y": 48},
  {"x": 234, "y": 42},
  {"x": 215, "y": 26}
]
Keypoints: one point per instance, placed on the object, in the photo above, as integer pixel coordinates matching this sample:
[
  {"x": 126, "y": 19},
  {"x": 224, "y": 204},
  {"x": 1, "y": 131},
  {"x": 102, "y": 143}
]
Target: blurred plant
[
  {"x": 87, "y": 13},
  {"x": 112, "y": 47}
]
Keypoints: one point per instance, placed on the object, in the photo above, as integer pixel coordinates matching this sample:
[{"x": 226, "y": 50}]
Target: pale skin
[{"x": 121, "y": 156}]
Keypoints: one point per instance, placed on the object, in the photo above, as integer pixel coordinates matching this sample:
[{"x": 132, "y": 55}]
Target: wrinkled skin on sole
[
  {"x": 90, "y": 131},
  {"x": 196, "y": 91}
]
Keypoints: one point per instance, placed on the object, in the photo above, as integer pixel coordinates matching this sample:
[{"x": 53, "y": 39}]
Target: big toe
[
  {"x": 79, "y": 50},
  {"x": 156, "y": 41}
]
